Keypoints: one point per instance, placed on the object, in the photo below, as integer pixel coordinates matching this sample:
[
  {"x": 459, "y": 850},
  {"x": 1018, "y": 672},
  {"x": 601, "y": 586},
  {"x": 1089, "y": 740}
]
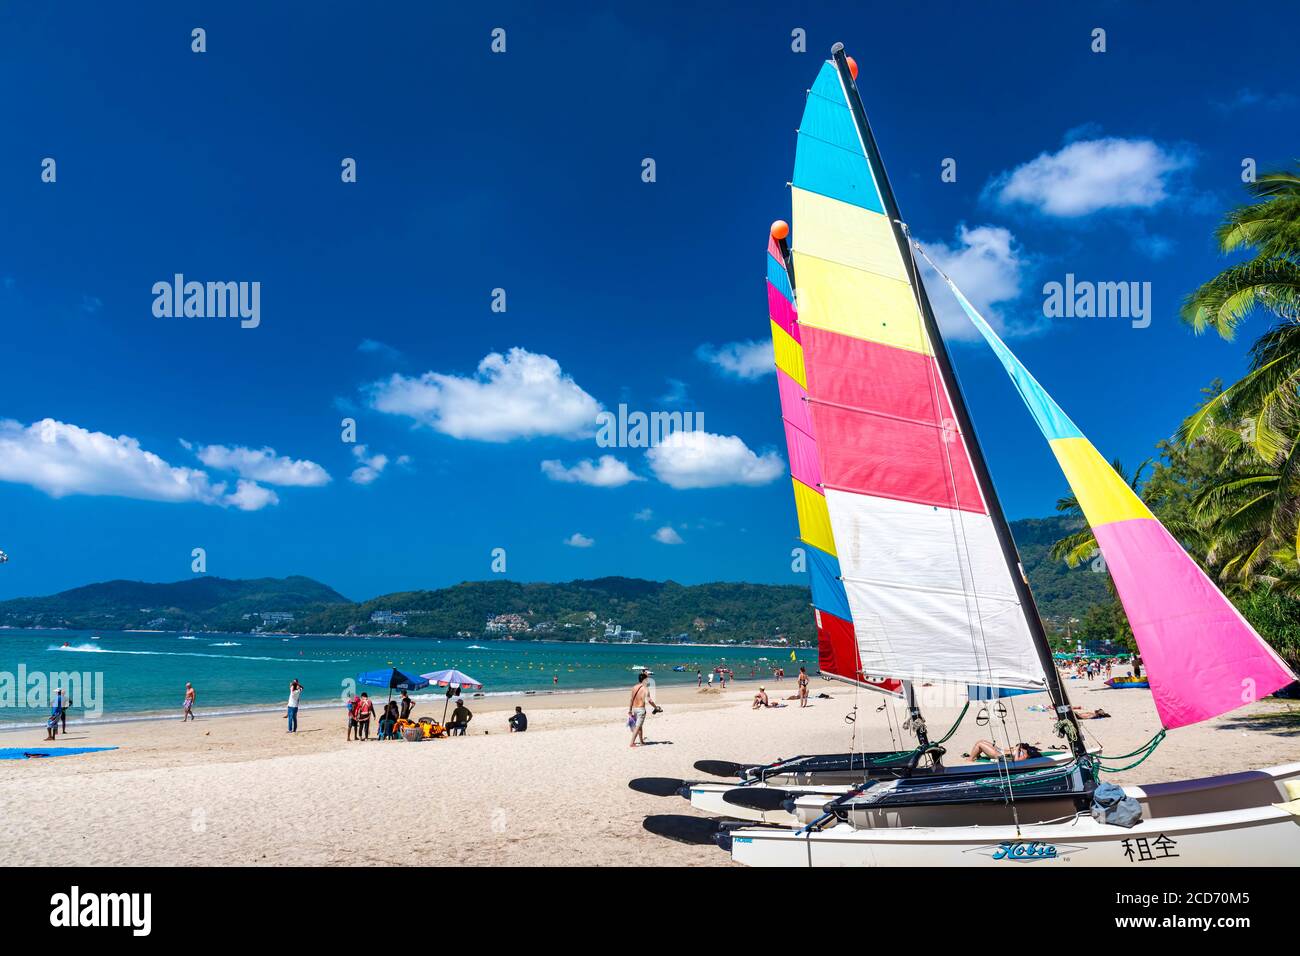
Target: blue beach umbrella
[{"x": 391, "y": 678}]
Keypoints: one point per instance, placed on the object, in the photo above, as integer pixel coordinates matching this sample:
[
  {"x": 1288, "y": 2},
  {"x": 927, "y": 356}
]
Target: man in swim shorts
[
  {"x": 637, "y": 706},
  {"x": 188, "y": 712}
]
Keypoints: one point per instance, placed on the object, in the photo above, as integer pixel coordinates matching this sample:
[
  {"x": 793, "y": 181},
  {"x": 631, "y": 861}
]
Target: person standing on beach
[
  {"x": 636, "y": 708},
  {"x": 295, "y": 692},
  {"x": 699, "y": 678},
  {"x": 362, "y": 712},
  {"x": 188, "y": 706},
  {"x": 407, "y": 706},
  {"x": 353, "y": 701},
  {"x": 803, "y": 687},
  {"x": 61, "y": 707}
]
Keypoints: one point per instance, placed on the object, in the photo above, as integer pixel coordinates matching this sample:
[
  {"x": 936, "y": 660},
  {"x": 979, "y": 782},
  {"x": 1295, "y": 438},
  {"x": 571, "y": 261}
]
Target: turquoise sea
[{"x": 132, "y": 675}]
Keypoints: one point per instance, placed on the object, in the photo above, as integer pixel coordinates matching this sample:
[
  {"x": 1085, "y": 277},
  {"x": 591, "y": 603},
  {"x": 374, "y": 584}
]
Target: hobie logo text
[
  {"x": 1025, "y": 851},
  {"x": 74, "y": 909}
]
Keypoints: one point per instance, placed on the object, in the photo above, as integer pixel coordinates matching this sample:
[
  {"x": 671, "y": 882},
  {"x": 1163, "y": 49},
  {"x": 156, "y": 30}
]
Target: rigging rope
[{"x": 1146, "y": 750}]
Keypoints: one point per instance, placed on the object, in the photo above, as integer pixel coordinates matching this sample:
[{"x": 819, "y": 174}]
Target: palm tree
[
  {"x": 1271, "y": 279},
  {"x": 1248, "y": 514},
  {"x": 1266, "y": 399}
]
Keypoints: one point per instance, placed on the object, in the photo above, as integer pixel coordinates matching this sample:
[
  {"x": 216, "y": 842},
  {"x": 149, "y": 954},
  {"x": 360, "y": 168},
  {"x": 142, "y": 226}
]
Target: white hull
[
  {"x": 1254, "y": 837},
  {"x": 1217, "y": 821}
]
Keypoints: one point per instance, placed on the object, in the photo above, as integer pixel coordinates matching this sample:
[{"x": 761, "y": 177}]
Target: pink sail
[{"x": 1203, "y": 659}]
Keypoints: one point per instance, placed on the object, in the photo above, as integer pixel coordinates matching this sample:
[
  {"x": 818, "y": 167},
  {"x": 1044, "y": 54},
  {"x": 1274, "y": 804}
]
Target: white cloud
[
  {"x": 250, "y": 496},
  {"x": 645, "y": 514},
  {"x": 516, "y": 395},
  {"x": 62, "y": 459},
  {"x": 703, "y": 460},
  {"x": 666, "y": 535},
  {"x": 579, "y": 540},
  {"x": 372, "y": 466},
  {"x": 263, "y": 464},
  {"x": 743, "y": 360},
  {"x": 988, "y": 265},
  {"x": 608, "y": 472},
  {"x": 1090, "y": 175}
]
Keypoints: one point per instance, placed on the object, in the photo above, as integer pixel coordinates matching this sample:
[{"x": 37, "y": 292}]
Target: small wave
[
  {"x": 92, "y": 649},
  {"x": 226, "y": 644},
  {"x": 476, "y": 647},
  {"x": 187, "y": 637}
]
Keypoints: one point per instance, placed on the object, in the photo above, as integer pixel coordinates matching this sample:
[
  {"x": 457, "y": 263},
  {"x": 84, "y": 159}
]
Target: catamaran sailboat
[{"x": 893, "y": 493}]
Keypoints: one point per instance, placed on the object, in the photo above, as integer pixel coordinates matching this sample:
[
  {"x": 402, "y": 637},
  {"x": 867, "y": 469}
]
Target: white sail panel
[{"x": 930, "y": 594}]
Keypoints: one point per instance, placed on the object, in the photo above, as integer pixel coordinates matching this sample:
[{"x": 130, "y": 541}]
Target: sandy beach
[{"x": 240, "y": 791}]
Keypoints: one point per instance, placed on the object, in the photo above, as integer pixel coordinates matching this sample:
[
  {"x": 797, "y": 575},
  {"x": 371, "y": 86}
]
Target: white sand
[{"x": 242, "y": 791}]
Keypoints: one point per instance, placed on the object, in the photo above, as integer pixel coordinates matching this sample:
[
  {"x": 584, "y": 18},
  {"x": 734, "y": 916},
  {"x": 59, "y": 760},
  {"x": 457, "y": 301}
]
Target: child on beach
[{"x": 362, "y": 712}]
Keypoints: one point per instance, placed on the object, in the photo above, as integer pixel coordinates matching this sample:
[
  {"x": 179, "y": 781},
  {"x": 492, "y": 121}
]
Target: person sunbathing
[
  {"x": 1082, "y": 714},
  {"x": 987, "y": 748}
]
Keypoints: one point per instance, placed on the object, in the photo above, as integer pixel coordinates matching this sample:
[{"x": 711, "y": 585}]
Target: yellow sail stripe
[
  {"x": 789, "y": 354},
  {"x": 1103, "y": 495},
  {"x": 814, "y": 518},
  {"x": 850, "y": 235},
  {"x": 860, "y": 304}
]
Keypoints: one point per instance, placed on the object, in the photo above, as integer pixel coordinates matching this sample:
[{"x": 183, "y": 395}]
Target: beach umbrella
[
  {"x": 449, "y": 678},
  {"x": 391, "y": 678}
]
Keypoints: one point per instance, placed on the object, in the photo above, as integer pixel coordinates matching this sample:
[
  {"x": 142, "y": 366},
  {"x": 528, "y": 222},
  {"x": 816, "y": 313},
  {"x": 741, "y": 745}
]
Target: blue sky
[{"x": 522, "y": 171}]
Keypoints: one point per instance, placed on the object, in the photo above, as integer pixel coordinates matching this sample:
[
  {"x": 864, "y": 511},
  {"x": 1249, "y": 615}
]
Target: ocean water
[{"x": 129, "y": 675}]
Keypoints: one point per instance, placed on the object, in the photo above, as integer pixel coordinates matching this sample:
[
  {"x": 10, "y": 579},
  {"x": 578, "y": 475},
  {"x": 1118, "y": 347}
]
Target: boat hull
[
  {"x": 1260, "y": 836},
  {"x": 1229, "y": 820}
]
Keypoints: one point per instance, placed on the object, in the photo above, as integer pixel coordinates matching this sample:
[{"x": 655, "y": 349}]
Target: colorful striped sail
[
  {"x": 837, "y": 650},
  {"x": 1202, "y": 657},
  {"x": 887, "y": 488}
]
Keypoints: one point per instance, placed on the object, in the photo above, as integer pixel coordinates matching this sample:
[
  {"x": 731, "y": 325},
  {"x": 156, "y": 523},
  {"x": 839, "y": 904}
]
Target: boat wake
[{"x": 92, "y": 649}]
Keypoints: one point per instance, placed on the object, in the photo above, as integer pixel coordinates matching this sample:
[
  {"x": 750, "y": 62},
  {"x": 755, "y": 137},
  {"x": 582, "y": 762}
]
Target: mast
[{"x": 1055, "y": 689}]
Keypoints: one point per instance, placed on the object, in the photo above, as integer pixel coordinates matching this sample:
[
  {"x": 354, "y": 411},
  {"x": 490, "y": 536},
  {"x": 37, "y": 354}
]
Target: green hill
[
  {"x": 214, "y": 603},
  {"x": 575, "y": 610}
]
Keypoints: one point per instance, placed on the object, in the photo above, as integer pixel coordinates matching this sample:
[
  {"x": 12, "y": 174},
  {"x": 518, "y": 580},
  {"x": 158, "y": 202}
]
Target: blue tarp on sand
[{"x": 38, "y": 753}]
